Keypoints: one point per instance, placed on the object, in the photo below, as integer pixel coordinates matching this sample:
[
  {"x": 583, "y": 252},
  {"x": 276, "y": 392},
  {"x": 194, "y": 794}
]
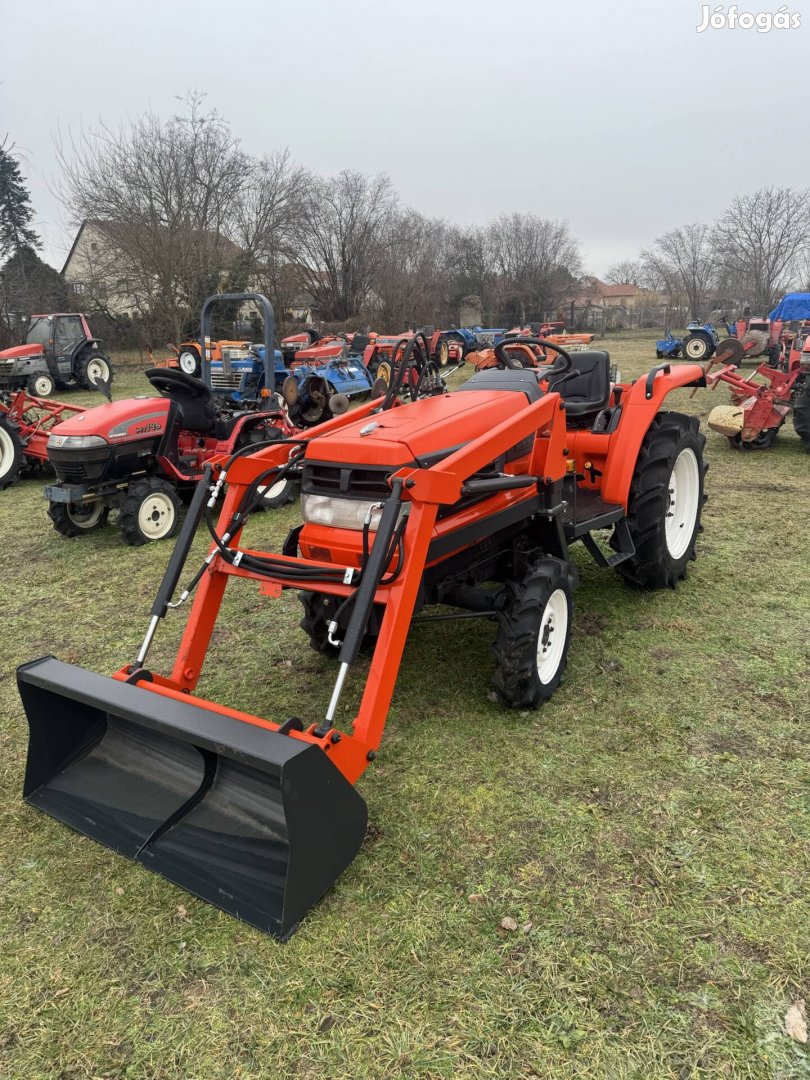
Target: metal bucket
[{"x": 258, "y": 823}]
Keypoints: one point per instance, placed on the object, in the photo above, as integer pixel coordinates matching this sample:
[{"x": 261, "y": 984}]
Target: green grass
[{"x": 648, "y": 831}]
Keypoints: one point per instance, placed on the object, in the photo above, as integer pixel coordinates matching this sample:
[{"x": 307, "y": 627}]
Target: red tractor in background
[
  {"x": 59, "y": 353},
  {"x": 143, "y": 456}
]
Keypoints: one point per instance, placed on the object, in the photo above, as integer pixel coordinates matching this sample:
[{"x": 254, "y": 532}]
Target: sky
[{"x": 619, "y": 117}]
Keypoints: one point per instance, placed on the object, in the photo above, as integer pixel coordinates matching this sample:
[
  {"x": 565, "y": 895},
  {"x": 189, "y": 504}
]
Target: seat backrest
[{"x": 590, "y": 390}]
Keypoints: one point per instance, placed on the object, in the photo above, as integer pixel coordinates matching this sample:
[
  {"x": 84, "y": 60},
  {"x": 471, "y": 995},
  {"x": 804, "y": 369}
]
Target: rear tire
[
  {"x": 531, "y": 649},
  {"x": 88, "y": 367},
  {"x": 801, "y": 415},
  {"x": 12, "y": 453},
  {"x": 41, "y": 385},
  {"x": 698, "y": 347},
  {"x": 77, "y": 519},
  {"x": 150, "y": 511},
  {"x": 666, "y": 502}
]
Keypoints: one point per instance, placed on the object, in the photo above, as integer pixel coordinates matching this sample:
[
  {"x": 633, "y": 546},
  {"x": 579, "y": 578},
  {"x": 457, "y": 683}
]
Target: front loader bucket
[{"x": 258, "y": 823}]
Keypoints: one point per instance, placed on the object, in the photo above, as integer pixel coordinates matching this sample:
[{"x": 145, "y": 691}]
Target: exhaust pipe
[{"x": 256, "y": 822}]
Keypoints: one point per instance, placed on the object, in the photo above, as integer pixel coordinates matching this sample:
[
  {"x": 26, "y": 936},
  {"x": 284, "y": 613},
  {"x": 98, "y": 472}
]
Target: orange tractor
[{"x": 468, "y": 499}]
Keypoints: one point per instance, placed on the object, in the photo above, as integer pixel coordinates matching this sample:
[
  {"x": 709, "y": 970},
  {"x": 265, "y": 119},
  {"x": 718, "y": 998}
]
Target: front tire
[
  {"x": 12, "y": 453},
  {"x": 150, "y": 511},
  {"x": 77, "y": 519},
  {"x": 41, "y": 385},
  {"x": 534, "y": 634},
  {"x": 189, "y": 362},
  {"x": 277, "y": 494},
  {"x": 666, "y": 502}
]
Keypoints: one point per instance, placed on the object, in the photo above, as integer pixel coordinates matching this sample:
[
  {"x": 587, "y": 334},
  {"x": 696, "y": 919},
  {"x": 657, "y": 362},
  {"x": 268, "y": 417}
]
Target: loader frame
[{"x": 555, "y": 455}]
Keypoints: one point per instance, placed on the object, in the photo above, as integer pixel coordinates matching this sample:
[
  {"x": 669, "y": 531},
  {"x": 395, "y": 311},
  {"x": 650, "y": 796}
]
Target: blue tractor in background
[{"x": 701, "y": 340}]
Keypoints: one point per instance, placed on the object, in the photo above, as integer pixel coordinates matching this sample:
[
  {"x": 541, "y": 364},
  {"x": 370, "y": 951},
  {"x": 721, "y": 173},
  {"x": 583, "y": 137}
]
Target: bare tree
[
  {"x": 268, "y": 213},
  {"x": 411, "y": 284},
  {"x": 626, "y": 272},
  {"x": 163, "y": 196},
  {"x": 536, "y": 261},
  {"x": 683, "y": 264},
  {"x": 342, "y": 238},
  {"x": 760, "y": 240}
]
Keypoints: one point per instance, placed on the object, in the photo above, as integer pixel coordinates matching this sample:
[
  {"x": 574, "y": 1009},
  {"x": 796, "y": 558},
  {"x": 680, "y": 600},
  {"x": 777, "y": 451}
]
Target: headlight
[
  {"x": 339, "y": 513},
  {"x": 75, "y": 442}
]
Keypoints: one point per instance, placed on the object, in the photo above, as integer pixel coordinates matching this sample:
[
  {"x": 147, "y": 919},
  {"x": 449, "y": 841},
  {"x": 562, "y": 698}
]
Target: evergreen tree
[{"x": 16, "y": 211}]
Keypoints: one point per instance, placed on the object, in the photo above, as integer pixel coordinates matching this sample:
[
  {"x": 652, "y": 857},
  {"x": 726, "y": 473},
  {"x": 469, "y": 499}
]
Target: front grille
[
  {"x": 347, "y": 481},
  {"x": 221, "y": 381},
  {"x": 70, "y": 473},
  {"x": 6, "y": 367}
]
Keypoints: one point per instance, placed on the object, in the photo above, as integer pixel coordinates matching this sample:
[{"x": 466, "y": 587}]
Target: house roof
[
  {"x": 618, "y": 290},
  {"x": 119, "y": 232}
]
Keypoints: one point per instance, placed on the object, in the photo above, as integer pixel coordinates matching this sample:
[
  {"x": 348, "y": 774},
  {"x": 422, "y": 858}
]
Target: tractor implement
[
  {"x": 466, "y": 500},
  {"x": 25, "y": 425}
]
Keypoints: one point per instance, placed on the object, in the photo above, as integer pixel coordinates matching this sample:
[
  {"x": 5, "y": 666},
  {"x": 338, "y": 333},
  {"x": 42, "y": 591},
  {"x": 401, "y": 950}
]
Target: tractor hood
[
  {"x": 319, "y": 353},
  {"x": 134, "y": 418},
  {"x": 424, "y": 429},
  {"x": 18, "y": 352}
]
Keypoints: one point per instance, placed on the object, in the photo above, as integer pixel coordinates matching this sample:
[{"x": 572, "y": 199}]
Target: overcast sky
[{"x": 619, "y": 117}]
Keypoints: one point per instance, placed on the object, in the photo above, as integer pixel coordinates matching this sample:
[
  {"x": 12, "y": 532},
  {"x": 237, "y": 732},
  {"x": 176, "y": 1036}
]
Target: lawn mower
[
  {"x": 761, "y": 402},
  {"x": 467, "y": 499},
  {"x": 59, "y": 353},
  {"x": 143, "y": 455},
  {"x": 25, "y": 425}
]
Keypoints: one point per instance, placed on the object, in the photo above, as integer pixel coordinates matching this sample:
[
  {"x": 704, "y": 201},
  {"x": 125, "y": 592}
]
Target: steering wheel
[
  {"x": 560, "y": 365},
  {"x": 172, "y": 382}
]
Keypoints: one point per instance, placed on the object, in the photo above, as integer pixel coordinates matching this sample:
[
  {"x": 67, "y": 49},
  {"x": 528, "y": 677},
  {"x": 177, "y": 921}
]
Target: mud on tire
[{"x": 661, "y": 558}]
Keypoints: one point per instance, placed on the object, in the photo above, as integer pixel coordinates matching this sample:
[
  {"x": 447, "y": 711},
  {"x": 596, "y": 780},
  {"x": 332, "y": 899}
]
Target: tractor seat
[
  {"x": 194, "y": 400},
  {"x": 589, "y": 392}
]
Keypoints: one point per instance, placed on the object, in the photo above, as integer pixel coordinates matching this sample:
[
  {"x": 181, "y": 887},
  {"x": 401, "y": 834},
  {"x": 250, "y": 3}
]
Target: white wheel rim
[
  {"x": 85, "y": 515},
  {"x": 274, "y": 490},
  {"x": 552, "y": 635},
  {"x": 188, "y": 362},
  {"x": 97, "y": 369},
  {"x": 156, "y": 516},
  {"x": 684, "y": 498},
  {"x": 42, "y": 386},
  {"x": 6, "y": 452},
  {"x": 696, "y": 347}
]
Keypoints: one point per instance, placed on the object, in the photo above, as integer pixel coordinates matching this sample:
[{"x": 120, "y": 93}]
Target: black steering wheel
[
  {"x": 560, "y": 365},
  {"x": 172, "y": 382}
]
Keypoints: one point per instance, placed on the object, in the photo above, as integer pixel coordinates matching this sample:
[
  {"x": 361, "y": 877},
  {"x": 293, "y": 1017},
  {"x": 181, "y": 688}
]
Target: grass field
[{"x": 647, "y": 831}]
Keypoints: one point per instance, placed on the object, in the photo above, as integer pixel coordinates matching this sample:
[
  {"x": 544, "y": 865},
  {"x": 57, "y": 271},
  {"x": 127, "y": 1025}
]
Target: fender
[{"x": 638, "y": 413}]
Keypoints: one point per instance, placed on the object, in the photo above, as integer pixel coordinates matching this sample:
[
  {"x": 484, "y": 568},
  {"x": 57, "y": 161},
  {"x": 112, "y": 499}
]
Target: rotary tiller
[
  {"x": 761, "y": 402},
  {"x": 467, "y": 499},
  {"x": 25, "y": 425}
]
